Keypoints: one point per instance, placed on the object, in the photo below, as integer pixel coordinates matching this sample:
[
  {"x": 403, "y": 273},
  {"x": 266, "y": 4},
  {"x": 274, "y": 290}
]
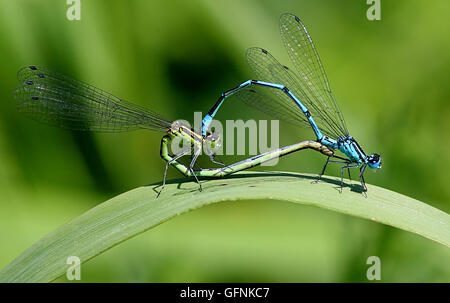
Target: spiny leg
[
  {"x": 213, "y": 160},
  {"x": 330, "y": 161},
  {"x": 324, "y": 168},
  {"x": 175, "y": 158},
  {"x": 361, "y": 177},
  {"x": 322, "y": 172},
  {"x": 342, "y": 172},
  {"x": 191, "y": 167}
]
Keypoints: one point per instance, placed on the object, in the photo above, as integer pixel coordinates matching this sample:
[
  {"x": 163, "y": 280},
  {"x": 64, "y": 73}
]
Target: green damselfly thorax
[{"x": 59, "y": 100}]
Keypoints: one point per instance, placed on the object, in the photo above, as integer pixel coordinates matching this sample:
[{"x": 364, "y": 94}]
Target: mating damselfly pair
[{"x": 301, "y": 96}]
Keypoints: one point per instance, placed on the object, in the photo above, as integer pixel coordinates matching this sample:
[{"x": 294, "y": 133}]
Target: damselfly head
[{"x": 374, "y": 161}]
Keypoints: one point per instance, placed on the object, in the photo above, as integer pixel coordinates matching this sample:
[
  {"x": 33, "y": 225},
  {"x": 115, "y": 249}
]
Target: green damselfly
[{"x": 59, "y": 100}]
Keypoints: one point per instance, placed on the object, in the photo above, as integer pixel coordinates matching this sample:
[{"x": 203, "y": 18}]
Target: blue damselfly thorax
[{"x": 350, "y": 147}]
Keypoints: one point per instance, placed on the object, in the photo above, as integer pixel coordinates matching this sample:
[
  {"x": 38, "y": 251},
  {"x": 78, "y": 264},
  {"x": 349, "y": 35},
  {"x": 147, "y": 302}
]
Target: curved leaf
[{"x": 138, "y": 210}]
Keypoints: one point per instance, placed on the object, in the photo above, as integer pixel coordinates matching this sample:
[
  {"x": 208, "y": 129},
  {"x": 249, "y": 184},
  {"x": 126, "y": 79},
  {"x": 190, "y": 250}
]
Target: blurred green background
[{"x": 391, "y": 80}]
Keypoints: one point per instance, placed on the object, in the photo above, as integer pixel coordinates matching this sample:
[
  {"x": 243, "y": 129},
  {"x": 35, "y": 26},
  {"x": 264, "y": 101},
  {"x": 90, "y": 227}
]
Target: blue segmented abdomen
[{"x": 208, "y": 118}]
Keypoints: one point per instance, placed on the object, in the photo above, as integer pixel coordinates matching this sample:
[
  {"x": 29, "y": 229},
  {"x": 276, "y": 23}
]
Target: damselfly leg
[
  {"x": 213, "y": 157},
  {"x": 174, "y": 159},
  {"x": 322, "y": 172},
  {"x": 361, "y": 177},
  {"x": 342, "y": 172},
  {"x": 343, "y": 161},
  {"x": 191, "y": 166}
]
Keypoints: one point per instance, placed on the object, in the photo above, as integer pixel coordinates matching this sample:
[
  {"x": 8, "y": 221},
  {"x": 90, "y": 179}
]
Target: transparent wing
[
  {"x": 263, "y": 99},
  {"x": 58, "y": 100},
  {"x": 268, "y": 69},
  {"x": 310, "y": 74}
]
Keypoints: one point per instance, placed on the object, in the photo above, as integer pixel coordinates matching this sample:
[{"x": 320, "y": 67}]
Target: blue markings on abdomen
[{"x": 208, "y": 118}]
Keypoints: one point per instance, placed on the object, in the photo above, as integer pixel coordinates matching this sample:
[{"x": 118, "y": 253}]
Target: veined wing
[
  {"x": 268, "y": 69},
  {"x": 264, "y": 99},
  {"x": 59, "y": 100},
  {"x": 310, "y": 74}
]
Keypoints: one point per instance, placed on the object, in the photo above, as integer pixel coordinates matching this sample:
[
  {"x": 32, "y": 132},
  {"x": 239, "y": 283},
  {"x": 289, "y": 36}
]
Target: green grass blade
[{"x": 138, "y": 210}]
